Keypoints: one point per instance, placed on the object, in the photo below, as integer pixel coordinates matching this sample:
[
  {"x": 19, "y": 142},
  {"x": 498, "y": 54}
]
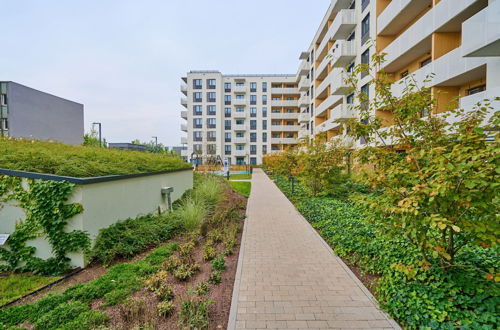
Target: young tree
[{"x": 438, "y": 172}]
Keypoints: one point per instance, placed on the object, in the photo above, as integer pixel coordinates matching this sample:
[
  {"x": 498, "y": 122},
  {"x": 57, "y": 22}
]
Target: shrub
[
  {"x": 219, "y": 263},
  {"x": 156, "y": 280},
  {"x": 78, "y": 161},
  {"x": 191, "y": 214},
  {"x": 215, "y": 277},
  {"x": 164, "y": 292},
  {"x": 194, "y": 313},
  {"x": 208, "y": 190},
  {"x": 133, "y": 310},
  {"x": 89, "y": 320},
  {"x": 165, "y": 308},
  {"x": 202, "y": 288},
  {"x": 185, "y": 271},
  {"x": 60, "y": 315},
  {"x": 209, "y": 252}
]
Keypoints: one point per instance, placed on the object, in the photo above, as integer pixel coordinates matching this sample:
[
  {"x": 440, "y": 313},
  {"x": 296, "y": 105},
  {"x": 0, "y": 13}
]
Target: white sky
[{"x": 123, "y": 59}]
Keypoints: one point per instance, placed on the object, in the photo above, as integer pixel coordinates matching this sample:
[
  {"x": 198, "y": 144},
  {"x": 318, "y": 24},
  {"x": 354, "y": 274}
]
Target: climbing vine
[{"x": 47, "y": 213}]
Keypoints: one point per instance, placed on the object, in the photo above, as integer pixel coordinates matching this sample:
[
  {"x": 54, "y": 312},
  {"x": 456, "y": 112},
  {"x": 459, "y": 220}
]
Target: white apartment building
[
  {"x": 458, "y": 41},
  {"x": 238, "y": 117}
]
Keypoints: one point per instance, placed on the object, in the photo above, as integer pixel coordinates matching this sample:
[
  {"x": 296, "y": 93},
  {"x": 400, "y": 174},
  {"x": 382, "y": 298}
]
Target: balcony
[
  {"x": 327, "y": 126},
  {"x": 184, "y": 101},
  {"x": 240, "y": 140},
  {"x": 304, "y": 84},
  {"x": 410, "y": 45},
  {"x": 239, "y": 101},
  {"x": 343, "y": 24},
  {"x": 286, "y": 115},
  {"x": 242, "y": 127},
  {"x": 326, "y": 104},
  {"x": 240, "y": 89},
  {"x": 240, "y": 153},
  {"x": 284, "y": 103},
  {"x": 184, "y": 128},
  {"x": 184, "y": 140},
  {"x": 239, "y": 114},
  {"x": 184, "y": 89},
  {"x": 342, "y": 112},
  {"x": 398, "y": 14},
  {"x": 304, "y": 68},
  {"x": 340, "y": 4},
  {"x": 323, "y": 85},
  {"x": 323, "y": 65},
  {"x": 184, "y": 114},
  {"x": 304, "y": 117},
  {"x": 303, "y": 134},
  {"x": 284, "y": 141},
  {"x": 304, "y": 101},
  {"x": 339, "y": 86},
  {"x": 344, "y": 53},
  {"x": 286, "y": 91},
  {"x": 184, "y": 153},
  {"x": 284, "y": 128},
  {"x": 481, "y": 32}
]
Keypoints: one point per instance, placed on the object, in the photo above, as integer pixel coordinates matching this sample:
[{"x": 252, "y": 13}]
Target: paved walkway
[{"x": 288, "y": 277}]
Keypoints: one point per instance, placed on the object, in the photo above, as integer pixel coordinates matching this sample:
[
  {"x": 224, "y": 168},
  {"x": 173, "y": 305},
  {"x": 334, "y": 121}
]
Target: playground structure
[{"x": 214, "y": 163}]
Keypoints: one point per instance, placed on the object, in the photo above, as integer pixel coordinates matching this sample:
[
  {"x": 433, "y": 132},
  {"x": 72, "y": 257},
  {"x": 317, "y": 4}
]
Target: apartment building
[
  {"x": 457, "y": 41},
  {"x": 29, "y": 113},
  {"x": 238, "y": 117}
]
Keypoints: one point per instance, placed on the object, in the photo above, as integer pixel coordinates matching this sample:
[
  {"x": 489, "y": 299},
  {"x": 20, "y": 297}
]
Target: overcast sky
[{"x": 123, "y": 59}]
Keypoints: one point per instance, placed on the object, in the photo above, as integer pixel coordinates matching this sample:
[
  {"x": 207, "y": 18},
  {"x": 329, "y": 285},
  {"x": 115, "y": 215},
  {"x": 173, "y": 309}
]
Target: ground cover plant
[
  {"x": 241, "y": 187},
  {"x": 168, "y": 286},
  {"x": 80, "y": 161},
  {"x": 14, "y": 286},
  {"x": 240, "y": 176}
]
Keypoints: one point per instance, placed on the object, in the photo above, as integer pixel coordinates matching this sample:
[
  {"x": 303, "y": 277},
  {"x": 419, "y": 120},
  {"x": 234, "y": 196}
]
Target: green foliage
[
  {"x": 240, "y": 176},
  {"x": 191, "y": 214},
  {"x": 215, "y": 277},
  {"x": 194, "y": 313},
  {"x": 202, "y": 288},
  {"x": 185, "y": 271},
  {"x": 219, "y": 263},
  {"x": 417, "y": 294},
  {"x": 80, "y": 161},
  {"x": 241, "y": 187},
  {"x": 15, "y": 286},
  {"x": 89, "y": 320},
  {"x": 46, "y": 213},
  {"x": 209, "y": 252},
  {"x": 127, "y": 238},
  {"x": 165, "y": 308},
  {"x": 91, "y": 139},
  {"x": 56, "y": 311}
]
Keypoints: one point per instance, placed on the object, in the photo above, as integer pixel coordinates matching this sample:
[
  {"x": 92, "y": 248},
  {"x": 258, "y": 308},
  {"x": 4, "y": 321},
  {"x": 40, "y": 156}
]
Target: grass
[
  {"x": 15, "y": 286},
  {"x": 240, "y": 187},
  {"x": 246, "y": 176},
  {"x": 79, "y": 161}
]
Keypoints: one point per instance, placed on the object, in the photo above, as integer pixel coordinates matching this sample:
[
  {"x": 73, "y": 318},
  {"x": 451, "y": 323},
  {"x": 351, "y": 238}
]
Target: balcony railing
[
  {"x": 343, "y": 24},
  {"x": 239, "y": 101},
  {"x": 184, "y": 114},
  {"x": 184, "y": 101},
  {"x": 344, "y": 53},
  {"x": 184, "y": 89},
  {"x": 239, "y": 89},
  {"x": 184, "y": 127}
]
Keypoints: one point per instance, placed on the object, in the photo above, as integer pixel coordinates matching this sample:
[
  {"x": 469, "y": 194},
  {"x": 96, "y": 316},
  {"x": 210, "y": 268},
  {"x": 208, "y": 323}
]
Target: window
[
  {"x": 353, "y": 5},
  {"x": 198, "y": 123},
  {"x": 211, "y": 97},
  {"x": 352, "y": 36},
  {"x": 276, "y": 123},
  {"x": 276, "y": 135},
  {"x": 197, "y": 84},
  {"x": 403, "y": 74},
  {"x": 5, "y": 123},
  {"x": 477, "y": 89},
  {"x": 253, "y": 149},
  {"x": 197, "y": 97},
  {"x": 240, "y": 109},
  {"x": 227, "y": 124},
  {"x": 264, "y": 137},
  {"x": 240, "y": 97},
  {"x": 275, "y": 110},
  {"x": 364, "y": 4},
  {"x": 253, "y": 124},
  {"x": 253, "y": 160},
  {"x": 253, "y": 112},
  {"x": 211, "y": 136},
  {"x": 227, "y": 149},
  {"x": 290, "y": 123},
  {"x": 227, "y": 112},
  {"x": 211, "y": 122},
  {"x": 198, "y": 148},
  {"x": 3, "y": 99},
  {"x": 211, "y": 149},
  {"x": 211, "y": 83},
  {"x": 253, "y": 137},
  {"x": 289, "y": 135},
  {"x": 425, "y": 62},
  {"x": 264, "y": 99},
  {"x": 240, "y": 84},
  {"x": 227, "y": 137},
  {"x": 264, "y": 87},
  {"x": 197, "y": 110},
  {"x": 227, "y": 87},
  {"x": 253, "y": 99},
  {"x": 211, "y": 110},
  {"x": 264, "y": 112},
  {"x": 350, "y": 99},
  {"x": 365, "y": 29},
  {"x": 264, "y": 150},
  {"x": 240, "y": 121},
  {"x": 197, "y": 136},
  {"x": 264, "y": 124},
  {"x": 240, "y": 147},
  {"x": 227, "y": 99},
  {"x": 240, "y": 134},
  {"x": 253, "y": 87},
  {"x": 365, "y": 59},
  {"x": 365, "y": 95}
]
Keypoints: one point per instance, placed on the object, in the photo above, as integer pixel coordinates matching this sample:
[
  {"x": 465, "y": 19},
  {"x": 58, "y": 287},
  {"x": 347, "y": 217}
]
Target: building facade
[
  {"x": 238, "y": 117},
  {"x": 457, "y": 41},
  {"x": 29, "y": 113}
]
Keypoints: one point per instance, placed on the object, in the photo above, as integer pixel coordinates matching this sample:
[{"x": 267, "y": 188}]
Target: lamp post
[{"x": 100, "y": 132}]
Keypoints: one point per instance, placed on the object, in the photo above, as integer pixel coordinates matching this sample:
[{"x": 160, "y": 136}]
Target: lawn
[
  {"x": 244, "y": 176},
  {"x": 16, "y": 286},
  {"x": 241, "y": 187}
]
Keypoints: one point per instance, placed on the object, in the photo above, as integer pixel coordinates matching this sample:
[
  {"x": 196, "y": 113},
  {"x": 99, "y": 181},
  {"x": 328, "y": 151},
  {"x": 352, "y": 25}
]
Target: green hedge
[
  {"x": 416, "y": 296},
  {"x": 79, "y": 161}
]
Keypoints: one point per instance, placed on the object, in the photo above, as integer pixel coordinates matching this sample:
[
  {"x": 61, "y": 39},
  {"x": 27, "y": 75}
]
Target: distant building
[
  {"x": 178, "y": 150},
  {"x": 128, "y": 146},
  {"x": 29, "y": 113}
]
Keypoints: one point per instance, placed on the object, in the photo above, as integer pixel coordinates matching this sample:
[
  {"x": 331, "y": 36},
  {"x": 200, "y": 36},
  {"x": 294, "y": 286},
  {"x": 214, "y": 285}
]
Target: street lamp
[
  {"x": 100, "y": 131},
  {"x": 156, "y": 140}
]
